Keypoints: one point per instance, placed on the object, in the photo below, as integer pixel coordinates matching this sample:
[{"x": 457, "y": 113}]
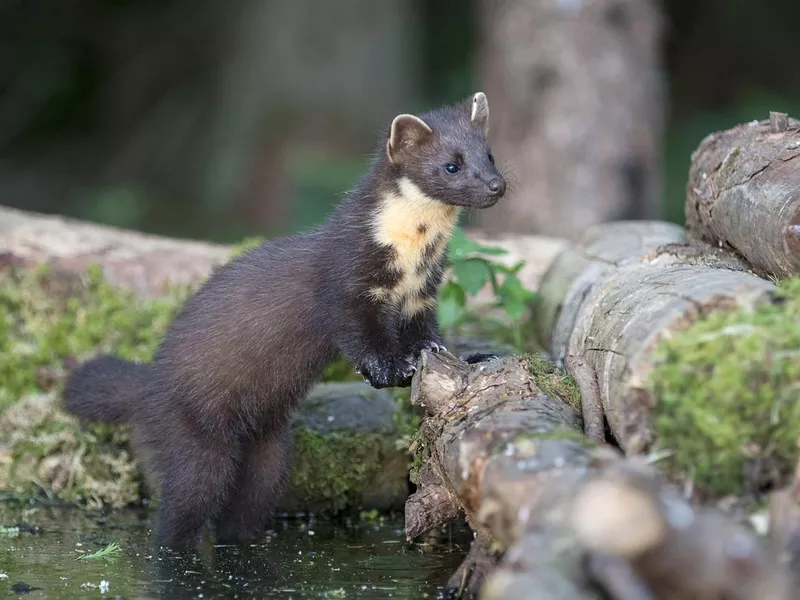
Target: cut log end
[
  {"x": 437, "y": 379},
  {"x": 742, "y": 193},
  {"x": 778, "y": 122},
  {"x": 429, "y": 507},
  {"x": 618, "y": 519}
]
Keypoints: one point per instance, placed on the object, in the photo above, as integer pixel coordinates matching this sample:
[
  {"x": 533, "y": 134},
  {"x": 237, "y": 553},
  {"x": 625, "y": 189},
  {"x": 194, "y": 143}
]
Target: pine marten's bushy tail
[{"x": 105, "y": 389}]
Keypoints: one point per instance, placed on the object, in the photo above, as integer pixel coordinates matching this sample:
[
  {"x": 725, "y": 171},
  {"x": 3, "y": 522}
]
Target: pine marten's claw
[{"x": 428, "y": 345}]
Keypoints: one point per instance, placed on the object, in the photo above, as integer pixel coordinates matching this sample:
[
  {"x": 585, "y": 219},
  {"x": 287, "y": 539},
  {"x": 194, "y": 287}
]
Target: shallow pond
[{"x": 300, "y": 558}]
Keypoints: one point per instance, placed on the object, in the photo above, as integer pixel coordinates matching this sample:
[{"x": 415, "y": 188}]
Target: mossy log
[
  {"x": 613, "y": 296},
  {"x": 349, "y": 453},
  {"x": 556, "y": 515},
  {"x": 743, "y": 193}
]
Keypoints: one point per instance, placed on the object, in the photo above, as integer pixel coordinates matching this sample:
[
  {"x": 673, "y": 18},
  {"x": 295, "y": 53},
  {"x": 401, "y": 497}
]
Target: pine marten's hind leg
[
  {"x": 198, "y": 476},
  {"x": 259, "y": 487}
]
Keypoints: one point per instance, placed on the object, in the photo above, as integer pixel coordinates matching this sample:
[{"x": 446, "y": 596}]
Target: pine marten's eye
[
  {"x": 451, "y": 168},
  {"x": 491, "y": 158}
]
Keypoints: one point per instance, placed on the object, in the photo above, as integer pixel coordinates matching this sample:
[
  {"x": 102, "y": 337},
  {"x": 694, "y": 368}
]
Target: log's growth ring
[{"x": 743, "y": 193}]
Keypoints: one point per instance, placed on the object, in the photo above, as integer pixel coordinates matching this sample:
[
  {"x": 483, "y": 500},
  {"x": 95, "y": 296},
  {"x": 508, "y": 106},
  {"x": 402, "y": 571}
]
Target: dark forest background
[{"x": 218, "y": 120}]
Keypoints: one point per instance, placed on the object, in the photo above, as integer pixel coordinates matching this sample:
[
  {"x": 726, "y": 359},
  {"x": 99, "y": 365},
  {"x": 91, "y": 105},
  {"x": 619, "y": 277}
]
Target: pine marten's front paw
[{"x": 387, "y": 372}]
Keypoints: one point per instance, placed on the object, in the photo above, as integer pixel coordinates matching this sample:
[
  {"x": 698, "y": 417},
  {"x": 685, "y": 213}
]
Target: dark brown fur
[{"x": 212, "y": 412}]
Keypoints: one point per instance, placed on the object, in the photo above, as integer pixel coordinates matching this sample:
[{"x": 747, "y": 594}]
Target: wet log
[
  {"x": 743, "y": 193},
  {"x": 611, "y": 297},
  {"x": 561, "y": 516}
]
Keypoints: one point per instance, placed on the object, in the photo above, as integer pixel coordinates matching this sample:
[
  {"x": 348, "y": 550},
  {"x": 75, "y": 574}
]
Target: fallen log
[
  {"x": 146, "y": 264},
  {"x": 623, "y": 288},
  {"x": 560, "y": 516},
  {"x": 742, "y": 193}
]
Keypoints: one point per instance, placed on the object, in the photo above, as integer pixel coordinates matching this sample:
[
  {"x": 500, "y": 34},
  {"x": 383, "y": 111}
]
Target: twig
[{"x": 592, "y": 407}]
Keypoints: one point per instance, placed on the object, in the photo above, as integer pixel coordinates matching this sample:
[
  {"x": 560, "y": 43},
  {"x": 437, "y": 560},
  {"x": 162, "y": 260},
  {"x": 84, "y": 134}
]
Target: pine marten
[{"x": 212, "y": 411}]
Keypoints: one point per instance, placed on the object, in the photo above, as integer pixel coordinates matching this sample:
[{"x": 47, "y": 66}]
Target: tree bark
[
  {"x": 576, "y": 93},
  {"x": 566, "y": 518},
  {"x": 743, "y": 193},
  {"x": 625, "y": 286}
]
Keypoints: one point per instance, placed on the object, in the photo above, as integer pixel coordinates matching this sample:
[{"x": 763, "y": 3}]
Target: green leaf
[
  {"x": 515, "y": 298},
  {"x": 451, "y": 305},
  {"x": 472, "y": 274},
  {"x": 517, "y": 267},
  {"x": 492, "y": 250},
  {"x": 515, "y": 308},
  {"x": 512, "y": 288},
  {"x": 461, "y": 245},
  {"x": 449, "y": 313}
]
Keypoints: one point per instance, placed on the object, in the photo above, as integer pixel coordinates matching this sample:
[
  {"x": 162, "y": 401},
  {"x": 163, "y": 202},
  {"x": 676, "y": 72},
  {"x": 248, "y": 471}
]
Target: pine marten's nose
[{"x": 497, "y": 187}]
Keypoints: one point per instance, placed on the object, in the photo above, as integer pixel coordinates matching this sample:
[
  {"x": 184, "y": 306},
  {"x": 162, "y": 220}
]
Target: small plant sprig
[
  {"x": 110, "y": 553},
  {"x": 471, "y": 268},
  {"x": 9, "y": 532}
]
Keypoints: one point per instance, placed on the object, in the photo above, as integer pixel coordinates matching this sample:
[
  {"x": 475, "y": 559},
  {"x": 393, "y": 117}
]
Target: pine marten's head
[{"x": 446, "y": 154}]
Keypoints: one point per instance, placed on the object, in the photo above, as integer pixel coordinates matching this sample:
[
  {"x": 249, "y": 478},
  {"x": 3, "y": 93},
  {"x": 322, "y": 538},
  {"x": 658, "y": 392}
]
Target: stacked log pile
[{"x": 559, "y": 508}]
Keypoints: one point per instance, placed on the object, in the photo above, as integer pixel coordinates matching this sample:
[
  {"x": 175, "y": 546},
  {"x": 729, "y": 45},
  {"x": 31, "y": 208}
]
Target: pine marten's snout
[{"x": 497, "y": 187}]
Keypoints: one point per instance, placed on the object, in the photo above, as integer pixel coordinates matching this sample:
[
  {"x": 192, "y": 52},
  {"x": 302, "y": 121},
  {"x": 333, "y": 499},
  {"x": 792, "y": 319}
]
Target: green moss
[
  {"x": 333, "y": 468},
  {"x": 48, "y": 319},
  {"x": 553, "y": 381},
  {"x": 51, "y": 453},
  {"x": 728, "y": 398}
]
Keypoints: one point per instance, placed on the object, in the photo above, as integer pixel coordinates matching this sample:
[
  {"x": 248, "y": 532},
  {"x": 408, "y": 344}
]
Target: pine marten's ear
[
  {"x": 479, "y": 115},
  {"x": 407, "y": 133}
]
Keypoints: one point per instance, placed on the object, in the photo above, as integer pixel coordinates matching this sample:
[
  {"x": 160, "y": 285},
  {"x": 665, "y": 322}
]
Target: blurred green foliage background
[{"x": 219, "y": 120}]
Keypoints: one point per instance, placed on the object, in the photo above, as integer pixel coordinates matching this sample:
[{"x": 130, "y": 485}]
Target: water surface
[{"x": 299, "y": 558}]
